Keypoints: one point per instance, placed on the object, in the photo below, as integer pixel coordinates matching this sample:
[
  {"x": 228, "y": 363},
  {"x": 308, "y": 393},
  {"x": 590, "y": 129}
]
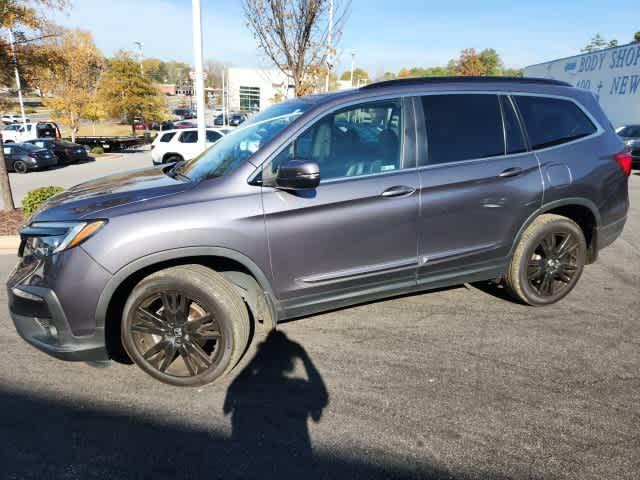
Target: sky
[{"x": 385, "y": 35}]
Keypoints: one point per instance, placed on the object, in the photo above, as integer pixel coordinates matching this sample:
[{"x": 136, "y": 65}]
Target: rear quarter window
[
  {"x": 167, "y": 137},
  {"x": 553, "y": 121}
]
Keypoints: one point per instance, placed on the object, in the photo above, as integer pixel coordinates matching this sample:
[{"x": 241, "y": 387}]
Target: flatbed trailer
[{"x": 111, "y": 144}]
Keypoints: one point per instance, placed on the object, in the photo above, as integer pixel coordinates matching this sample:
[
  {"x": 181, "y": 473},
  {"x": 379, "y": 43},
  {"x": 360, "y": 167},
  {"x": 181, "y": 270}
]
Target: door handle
[
  {"x": 510, "y": 172},
  {"x": 398, "y": 191}
]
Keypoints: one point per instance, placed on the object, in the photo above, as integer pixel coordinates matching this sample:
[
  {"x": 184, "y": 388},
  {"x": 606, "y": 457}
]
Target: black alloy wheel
[{"x": 185, "y": 325}]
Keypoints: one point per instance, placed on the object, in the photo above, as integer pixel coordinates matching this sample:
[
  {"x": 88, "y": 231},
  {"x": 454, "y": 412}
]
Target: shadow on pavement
[{"x": 42, "y": 438}]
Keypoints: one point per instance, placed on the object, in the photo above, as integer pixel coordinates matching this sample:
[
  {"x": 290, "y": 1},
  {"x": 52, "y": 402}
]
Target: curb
[{"x": 9, "y": 242}]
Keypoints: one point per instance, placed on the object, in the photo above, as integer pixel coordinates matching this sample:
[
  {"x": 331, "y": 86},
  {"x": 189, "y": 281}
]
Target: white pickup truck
[{"x": 18, "y": 133}]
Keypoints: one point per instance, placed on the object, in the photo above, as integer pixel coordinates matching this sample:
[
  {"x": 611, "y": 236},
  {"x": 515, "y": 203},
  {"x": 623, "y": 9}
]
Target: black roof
[{"x": 435, "y": 80}]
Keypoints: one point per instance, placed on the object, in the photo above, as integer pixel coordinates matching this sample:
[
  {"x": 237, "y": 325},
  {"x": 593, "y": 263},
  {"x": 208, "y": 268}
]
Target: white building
[
  {"x": 253, "y": 89},
  {"x": 612, "y": 74}
]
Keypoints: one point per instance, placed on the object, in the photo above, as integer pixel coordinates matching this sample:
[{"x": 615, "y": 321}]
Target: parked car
[
  {"x": 184, "y": 124},
  {"x": 236, "y": 119},
  {"x": 177, "y": 145},
  {"x": 18, "y": 133},
  {"x": 23, "y": 157},
  {"x": 65, "y": 151},
  {"x": 183, "y": 113},
  {"x": 307, "y": 209},
  {"x": 11, "y": 118},
  {"x": 630, "y": 135}
]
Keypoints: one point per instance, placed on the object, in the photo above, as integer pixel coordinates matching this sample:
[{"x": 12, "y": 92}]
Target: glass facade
[{"x": 249, "y": 99}]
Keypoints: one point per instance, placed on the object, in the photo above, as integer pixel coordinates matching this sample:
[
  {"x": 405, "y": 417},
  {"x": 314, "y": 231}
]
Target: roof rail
[{"x": 431, "y": 80}]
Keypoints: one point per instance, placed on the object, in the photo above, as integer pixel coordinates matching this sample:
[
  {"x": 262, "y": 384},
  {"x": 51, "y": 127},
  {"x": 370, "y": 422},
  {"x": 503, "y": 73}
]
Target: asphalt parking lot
[
  {"x": 69, "y": 175},
  {"x": 458, "y": 383}
]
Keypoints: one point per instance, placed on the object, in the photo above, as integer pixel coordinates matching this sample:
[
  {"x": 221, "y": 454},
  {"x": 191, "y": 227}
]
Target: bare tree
[{"x": 293, "y": 34}]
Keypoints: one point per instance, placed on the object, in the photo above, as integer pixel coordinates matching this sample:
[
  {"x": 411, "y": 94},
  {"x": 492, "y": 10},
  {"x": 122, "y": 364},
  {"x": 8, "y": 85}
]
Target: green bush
[
  {"x": 97, "y": 150},
  {"x": 34, "y": 198}
]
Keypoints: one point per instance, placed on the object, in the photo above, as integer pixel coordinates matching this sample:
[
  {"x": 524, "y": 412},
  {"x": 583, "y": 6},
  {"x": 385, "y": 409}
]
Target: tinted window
[
  {"x": 213, "y": 136},
  {"x": 462, "y": 127},
  {"x": 552, "y": 121},
  {"x": 512, "y": 130},
  {"x": 357, "y": 141},
  {"x": 167, "y": 137},
  {"x": 630, "y": 131},
  {"x": 189, "y": 137}
]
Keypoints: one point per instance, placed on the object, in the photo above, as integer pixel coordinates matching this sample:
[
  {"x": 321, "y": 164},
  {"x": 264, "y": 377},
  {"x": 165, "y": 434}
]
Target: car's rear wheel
[
  {"x": 548, "y": 260},
  {"x": 172, "y": 159},
  {"x": 20, "y": 167},
  {"x": 185, "y": 325}
]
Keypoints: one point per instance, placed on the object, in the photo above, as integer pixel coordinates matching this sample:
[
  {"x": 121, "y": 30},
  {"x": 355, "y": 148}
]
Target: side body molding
[{"x": 272, "y": 305}]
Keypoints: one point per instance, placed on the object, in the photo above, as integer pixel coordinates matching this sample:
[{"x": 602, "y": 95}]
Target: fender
[
  {"x": 272, "y": 305},
  {"x": 552, "y": 205}
]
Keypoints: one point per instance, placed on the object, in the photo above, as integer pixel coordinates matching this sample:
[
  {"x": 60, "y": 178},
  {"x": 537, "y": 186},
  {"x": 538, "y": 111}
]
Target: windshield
[{"x": 233, "y": 149}]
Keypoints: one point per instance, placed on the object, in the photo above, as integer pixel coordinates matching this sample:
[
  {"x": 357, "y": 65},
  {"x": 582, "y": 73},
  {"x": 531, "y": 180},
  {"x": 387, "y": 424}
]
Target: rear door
[
  {"x": 188, "y": 144},
  {"x": 355, "y": 234},
  {"x": 478, "y": 183}
]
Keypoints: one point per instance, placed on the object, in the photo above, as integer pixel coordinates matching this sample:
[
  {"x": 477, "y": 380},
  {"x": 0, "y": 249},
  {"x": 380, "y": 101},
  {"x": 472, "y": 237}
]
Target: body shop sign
[{"x": 613, "y": 75}]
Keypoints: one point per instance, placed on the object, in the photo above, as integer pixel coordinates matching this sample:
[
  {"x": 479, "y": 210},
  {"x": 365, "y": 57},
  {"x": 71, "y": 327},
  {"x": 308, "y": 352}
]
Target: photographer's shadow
[{"x": 270, "y": 407}]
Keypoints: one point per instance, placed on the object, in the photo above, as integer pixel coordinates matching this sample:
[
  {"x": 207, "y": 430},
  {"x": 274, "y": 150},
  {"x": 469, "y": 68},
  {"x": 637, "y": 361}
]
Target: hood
[{"x": 92, "y": 198}]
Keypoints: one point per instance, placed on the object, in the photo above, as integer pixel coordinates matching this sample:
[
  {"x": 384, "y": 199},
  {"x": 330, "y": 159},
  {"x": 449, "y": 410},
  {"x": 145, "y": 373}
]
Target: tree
[
  {"x": 636, "y": 37},
  {"x": 155, "y": 70},
  {"x": 24, "y": 17},
  {"x": 293, "y": 34},
  {"x": 126, "y": 94},
  {"x": 598, "y": 43},
  {"x": 491, "y": 61},
  {"x": 359, "y": 76},
  {"x": 68, "y": 84},
  {"x": 94, "y": 111},
  {"x": 513, "y": 72},
  {"x": 469, "y": 64},
  {"x": 177, "y": 72}
]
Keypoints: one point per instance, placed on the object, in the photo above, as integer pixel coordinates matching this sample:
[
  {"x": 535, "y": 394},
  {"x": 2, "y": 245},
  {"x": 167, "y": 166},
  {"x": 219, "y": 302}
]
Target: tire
[
  {"x": 172, "y": 159},
  {"x": 209, "y": 297},
  {"x": 548, "y": 261},
  {"x": 20, "y": 167}
]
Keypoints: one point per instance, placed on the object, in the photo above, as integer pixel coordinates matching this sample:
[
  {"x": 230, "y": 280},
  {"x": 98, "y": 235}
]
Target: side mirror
[{"x": 298, "y": 175}]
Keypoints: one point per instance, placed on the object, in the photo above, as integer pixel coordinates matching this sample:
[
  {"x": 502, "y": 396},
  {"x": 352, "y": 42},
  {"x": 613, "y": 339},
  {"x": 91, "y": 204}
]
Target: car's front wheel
[
  {"x": 548, "y": 260},
  {"x": 185, "y": 325}
]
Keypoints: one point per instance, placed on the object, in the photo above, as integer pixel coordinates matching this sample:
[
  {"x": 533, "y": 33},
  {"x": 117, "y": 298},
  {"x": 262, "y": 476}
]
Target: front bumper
[
  {"x": 50, "y": 332},
  {"x": 53, "y": 300}
]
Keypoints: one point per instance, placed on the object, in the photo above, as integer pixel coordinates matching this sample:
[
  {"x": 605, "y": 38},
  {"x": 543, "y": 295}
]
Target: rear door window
[
  {"x": 189, "y": 137},
  {"x": 552, "y": 121},
  {"x": 462, "y": 127}
]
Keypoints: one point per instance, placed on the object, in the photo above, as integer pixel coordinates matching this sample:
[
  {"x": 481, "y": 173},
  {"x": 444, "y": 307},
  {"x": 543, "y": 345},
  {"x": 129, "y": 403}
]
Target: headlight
[{"x": 46, "y": 238}]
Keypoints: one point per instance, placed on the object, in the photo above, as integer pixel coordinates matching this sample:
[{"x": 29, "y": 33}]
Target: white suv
[
  {"x": 10, "y": 118},
  {"x": 175, "y": 145}
]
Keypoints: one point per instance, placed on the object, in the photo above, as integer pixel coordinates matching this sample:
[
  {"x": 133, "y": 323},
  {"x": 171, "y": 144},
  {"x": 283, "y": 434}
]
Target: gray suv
[{"x": 319, "y": 203}]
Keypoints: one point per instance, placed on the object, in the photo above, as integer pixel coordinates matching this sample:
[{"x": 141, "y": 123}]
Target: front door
[
  {"x": 355, "y": 234},
  {"x": 478, "y": 185}
]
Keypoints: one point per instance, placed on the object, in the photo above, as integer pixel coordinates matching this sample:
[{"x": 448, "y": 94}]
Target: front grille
[{"x": 44, "y": 323}]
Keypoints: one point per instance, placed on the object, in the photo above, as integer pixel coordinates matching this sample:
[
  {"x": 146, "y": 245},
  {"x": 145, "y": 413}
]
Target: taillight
[{"x": 624, "y": 161}]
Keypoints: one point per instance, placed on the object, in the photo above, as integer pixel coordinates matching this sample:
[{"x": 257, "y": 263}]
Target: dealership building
[
  {"x": 254, "y": 89},
  {"x": 612, "y": 74}
]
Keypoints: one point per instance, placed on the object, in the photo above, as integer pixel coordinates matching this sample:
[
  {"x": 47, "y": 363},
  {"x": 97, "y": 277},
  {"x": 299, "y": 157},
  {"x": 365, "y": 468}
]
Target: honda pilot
[{"x": 318, "y": 203}]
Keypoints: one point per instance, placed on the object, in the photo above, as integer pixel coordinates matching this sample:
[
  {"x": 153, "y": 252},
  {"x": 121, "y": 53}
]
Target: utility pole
[
  {"x": 199, "y": 73},
  {"x": 18, "y": 85},
  {"x": 141, "y": 55},
  {"x": 329, "y": 40},
  {"x": 6, "y": 196}
]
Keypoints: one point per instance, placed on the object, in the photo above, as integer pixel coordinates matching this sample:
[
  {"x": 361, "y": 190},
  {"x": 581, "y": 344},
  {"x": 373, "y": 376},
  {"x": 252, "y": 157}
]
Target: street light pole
[
  {"x": 329, "y": 40},
  {"x": 18, "y": 85},
  {"x": 140, "y": 49},
  {"x": 353, "y": 54},
  {"x": 199, "y": 72}
]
